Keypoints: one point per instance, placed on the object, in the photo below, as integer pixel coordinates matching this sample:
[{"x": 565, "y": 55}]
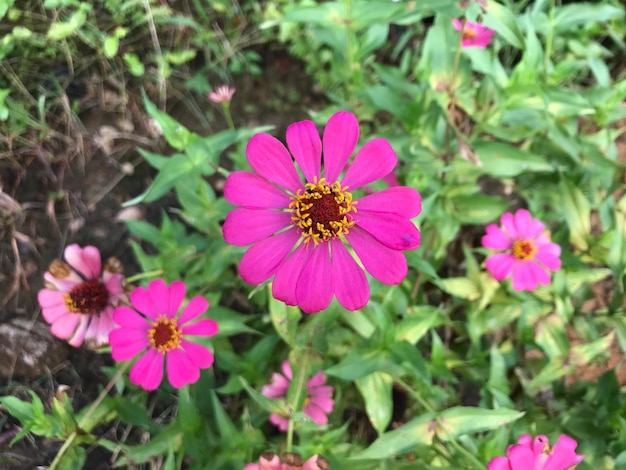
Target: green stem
[
  {"x": 68, "y": 442},
  {"x": 300, "y": 386},
  {"x": 137, "y": 277},
  {"x": 229, "y": 118},
  {"x": 549, "y": 38}
]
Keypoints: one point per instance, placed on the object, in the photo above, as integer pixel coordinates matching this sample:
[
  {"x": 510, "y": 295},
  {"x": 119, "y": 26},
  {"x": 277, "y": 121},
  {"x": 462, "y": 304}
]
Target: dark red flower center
[
  {"x": 322, "y": 211},
  {"x": 165, "y": 334},
  {"x": 524, "y": 250},
  {"x": 87, "y": 297}
]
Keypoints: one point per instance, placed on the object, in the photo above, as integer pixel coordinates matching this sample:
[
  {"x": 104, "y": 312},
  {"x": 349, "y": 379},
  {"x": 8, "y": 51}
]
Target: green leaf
[
  {"x": 359, "y": 363},
  {"x": 478, "y": 208},
  {"x": 461, "y": 420},
  {"x": 180, "y": 57},
  {"x": 460, "y": 287},
  {"x": 417, "y": 322},
  {"x": 188, "y": 415},
  {"x": 111, "y": 46},
  {"x": 503, "y": 160},
  {"x": 285, "y": 319},
  {"x": 568, "y": 17},
  {"x": 61, "y": 30},
  {"x": 375, "y": 389},
  {"x": 174, "y": 132},
  {"x": 503, "y": 20},
  {"x": 22, "y": 410},
  {"x": 73, "y": 458},
  {"x": 577, "y": 212},
  {"x": 135, "y": 66}
]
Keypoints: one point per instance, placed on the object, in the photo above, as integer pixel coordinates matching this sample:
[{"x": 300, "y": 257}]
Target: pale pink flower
[
  {"x": 222, "y": 94},
  {"x": 538, "y": 454},
  {"x": 160, "y": 335},
  {"x": 79, "y": 298},
  {"x": 287, "y": 461},
  {"x": 299, "y": 230},
  {"x": 317, "y": 403},
  {"x": 526, "y": 251},
  {"x": 474, "y": 34}
]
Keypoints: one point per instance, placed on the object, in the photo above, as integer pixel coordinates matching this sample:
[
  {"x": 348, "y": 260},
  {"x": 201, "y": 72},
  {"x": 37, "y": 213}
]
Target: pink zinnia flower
[
  {"x": 527, "y": 251},
  {"x": 474, "y": 34},
  {"x": 79, "y": 299},
  {"x": 287, "y": 461},
  {"x": 160, "y": 335},
  {"x": 538, "y": 454},
  {"x": 222, "y": 94},
  {"x": 317, "y": 403},
  {"x": 299, "y": 230}
]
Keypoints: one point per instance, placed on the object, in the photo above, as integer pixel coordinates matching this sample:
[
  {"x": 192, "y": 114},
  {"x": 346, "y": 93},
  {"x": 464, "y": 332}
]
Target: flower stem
[
  {"x": 228, "y": 116},
  {"x": 70, "y": 439},
  {"x": 137, "y": 277},
  {"x": 300, "y": 385}
]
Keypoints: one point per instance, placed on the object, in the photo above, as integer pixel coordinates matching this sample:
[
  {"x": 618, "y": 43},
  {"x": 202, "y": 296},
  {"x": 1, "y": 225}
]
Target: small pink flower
[
  {"x": 222, "y": 94},
  {"x": 79, "y": 299},
  {"x": 474, "y": 34},
  {"x": 159, "y": 335},
  {"x": 287, "y": 461},
  {"x": 538, "y": 454},
  {"x": 317, "y": 403},
  {"x": 299, "y": 231},
  {"x": 527, "y": 252}
]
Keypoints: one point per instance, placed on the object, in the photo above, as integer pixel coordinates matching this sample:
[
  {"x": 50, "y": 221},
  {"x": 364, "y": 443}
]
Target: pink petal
[
  {"x": 563, "y": 454},
  {"x": 148, "y": 370},
  {"x": 351, "y": 287},
  {"x": 243, "y": 188},
  {"x": 538, "y": 273},
  {"x": 64, "y": 327},
  {"x": 312, "y": 464},
  {"x": 64, "y": 284},
  {"x": 287, "y": 274},
  {"x": 51, "y": 314},
  {"x": 499, "y": 463},
  {"x": 160, "y": 295},
  {"x": 385, "y": 264},
  {"x": 278, "y": 388},
  {"x": 113, "y": 282},
  {"x": 203, "y": 327},
  {"x": 457, "y": 24},
  {"x": 100, "y": 331},
  {"x": 521, "y": 458},
  {"x": 84, "y": 323},
  {"x": 251, "y": 466},
  {"x": 141, "y": 300},
  {"x": 50, "y": 298},
  {"x": 180, "y": 369},
  {"x": 315, "y": 381},
  {"x": 305, "y": 145},
  {"x": 396, "y": 232},
  {"x": 271, "y": 160},
  {"x": 500, "y": 265},
  {"x": 196, "y": 307},
  {"x": 496, "y": 239},
  {"x": 262, "y": 259},
  {"x": 548, "y": 255},
  {"x": 127, "y": 317},
  {"x": 508, "y": 222},
  {"x": 126, "y": 343},
  {"x": 286, "y": 368},
  {"x": 373, "y": 161},
  {"x": 177, "y": 295},
  {"x": 246, "y": 226},
  {"x": 523, "y": 276},
  {"x": 324, "y": 403},
  {"x": 399, "y": 200},
  {"x": 200, "y": 355},
  {"x": 522, "y": 220},
  {"x": 340, "y": 137},
  {"x": 314, "y": 289},
  {"x": 84, "y": 260},
  {"x": 315, "y": 413},
  {"x": 282, "y": 423}
]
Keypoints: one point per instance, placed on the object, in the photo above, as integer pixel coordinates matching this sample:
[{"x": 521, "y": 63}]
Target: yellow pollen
[
  {"x": 322, "y": 211},
  {"x": 524, "y": 250},
  {"x": 165, "y": 334},
  {"x": 469, "y": 33}
]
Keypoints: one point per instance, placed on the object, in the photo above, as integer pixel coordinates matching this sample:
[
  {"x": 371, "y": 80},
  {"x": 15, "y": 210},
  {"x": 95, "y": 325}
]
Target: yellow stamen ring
[{"x": 165, "y": 334}]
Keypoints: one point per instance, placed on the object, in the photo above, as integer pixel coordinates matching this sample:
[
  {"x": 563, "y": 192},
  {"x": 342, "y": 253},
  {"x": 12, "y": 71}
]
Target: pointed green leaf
[{"x": 375, "y": 389}]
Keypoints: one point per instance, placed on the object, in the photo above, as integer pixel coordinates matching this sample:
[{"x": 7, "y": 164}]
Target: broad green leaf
[
  {"x": 584, "y": 354},
  {"x": 73, "y": 458},
  {"x": 135, "y": 66},
  {"x": 359, "y": 363},
  {"x": 460, "y": 287},
  {"x": 503, "y": 20},
  {"x": 503, "y": 160},
  {"x": 111, "y": 46},
  {"x": 460, "y": 420},
  {"x": 375, "y": 389},
  {"x": 577, "y": 212},
  {"x": 550, "y": 336},
  {"x": 417, "y": 322},
  {"x": 568, "y": 17},
  {"x": 180, "y": 57},
  {"x": 478, "y": 208},
  {"x": 174, "y": 132},
  {"x": 285, "y": 319},
  {"x": 22, "y": 410}
]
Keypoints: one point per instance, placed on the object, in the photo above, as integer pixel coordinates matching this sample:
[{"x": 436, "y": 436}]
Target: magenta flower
[
  {"x": 78, "y": 300},
  {"x": 160, "y": 335},
  {"x": 474, "y": 34},
  {"x": 288, "y": 461},
  {"x": 222, "y": 94},
  {"x": 317, "y": 403},
  {"x": 538, "y": 454},
  {"x": 298, "y": 230},
  {"x": 527, "y": 252}
]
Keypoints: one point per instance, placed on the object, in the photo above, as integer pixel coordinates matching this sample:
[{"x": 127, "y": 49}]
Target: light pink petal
[
  {"x": 399, "y": 200},
  {"x": 251, "y": 466},
  {"x": 305, "y": 145},
  {"x": 141, "y": 300},
  {"x": 528, "y": 441},
  {"x": 50, "y": 298},
  {"x": 324, "y": 403},
  {"x": 282, "y": 423},
  {"x": 385, "y": 264},
  {"x": 312, "y": 463},
  {"x": 286, "y": 368},
  {"x": 314, "y": 289},
  {"x": 315, "y": 381},
  {"x": 51, "y": 314},
  {"x": 84, "y": 322},
  {"x": 84, "y": 260},
  {"x": 148, "y": 370},
  {"x": 200, "y": 355},
  {"x": 246, "y": 226},
  {"x": 245, "y": 189},
  {"x": 538, "y": 273},
  {"x": 457, "y": 24},
  {"x": 271, "y": 160},
  {"x": 496, "y": 239},
  {"x": 127, "y": 317},
  {"x": 340, "y": 137},
  {"x": 278, "y": 388},
  {"x": 126, "y": 343},
  {"x": 564, "y": 454},
  {"x": 203, "y": 327},
  {"x": 177, "y": 295},
  {"x": 508, "y": 222},
  {"x": 550, "y": 261},
  {"x": 180, "y": 369},
  {"x": 99, "y": 331},
  {"x": 160, "y": 295},
  {"x": 524, "y": 277},
  {"x": 351, "y": 287},
  {"x": 373, "y": 161},
  {"x": 287, "y": 274},
  {"x": 113, "y": 282},
  {"x": 394, "y": 231},
  {"x": 521, "y": 458},
  {"x": 500, "y": 265},
  {"x": 64, "y": 326},
  {"x": 321, "y": 391},
  {"x": 315, "y": 413},
  {"x": 499, "y": 463},
  {"x": 196, "y": 307},
  {"x": 64, "y": 284},
  {"x": 262, "y": 259},
  {"x": 522, "y": 220}
]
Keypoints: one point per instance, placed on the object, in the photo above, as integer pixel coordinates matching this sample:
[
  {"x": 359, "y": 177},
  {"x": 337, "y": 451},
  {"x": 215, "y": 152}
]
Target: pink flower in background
[
  {"x": 79, "y": 299},
  {"x": 222, "y": 94},
  {"x": 299, "y": 231},
  {"x": 317, "y": 404},
  {"x": 526, "y": 251},
  {"x": 159, "y": 335},
  {"x": 287, "y": 461},
  {"x": 538, "y": 454},
  {"x": 474, "y": 34}
]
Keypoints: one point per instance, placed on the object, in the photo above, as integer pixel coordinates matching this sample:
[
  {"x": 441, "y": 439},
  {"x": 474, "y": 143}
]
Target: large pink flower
[
  {"x": 79, "y": 299},
  {"x": 160, "y": 335},
  {"x": 298, "y": 230},
  {"x": 474, "y": 34},
  {"x": 538, "y": 454},
  {"x": 527, "y": 252},
  {"x": 317, "y": 403},
  {"x": 287, "y": 461}
]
